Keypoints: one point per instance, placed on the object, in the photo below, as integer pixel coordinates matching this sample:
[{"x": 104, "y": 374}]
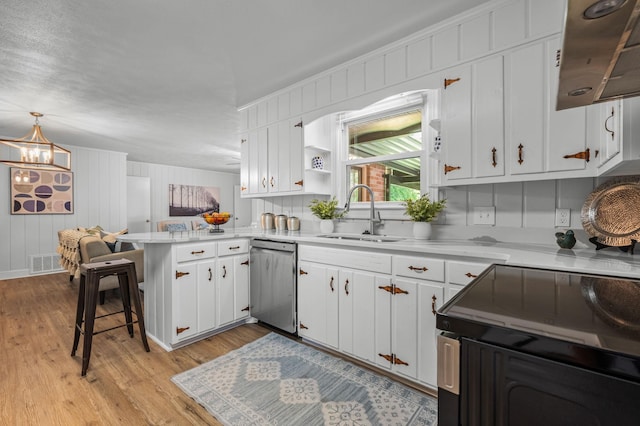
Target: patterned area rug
[{"x": 277, "y": 381}]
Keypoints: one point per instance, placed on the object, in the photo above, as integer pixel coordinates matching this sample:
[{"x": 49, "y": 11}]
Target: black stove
[
  {"x": 531, "y": 346},
  {"x": 584, "y": 319}
]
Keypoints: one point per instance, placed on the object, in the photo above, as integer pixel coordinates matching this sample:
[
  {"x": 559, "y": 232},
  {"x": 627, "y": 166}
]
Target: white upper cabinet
[
  {"x": 456, "y": 123},
  {"x": 275, "y": 158},
  {"x": 525, "y": 109},
  {"x": 473, "y": 121},
  {"x": 500, "y": 123}
]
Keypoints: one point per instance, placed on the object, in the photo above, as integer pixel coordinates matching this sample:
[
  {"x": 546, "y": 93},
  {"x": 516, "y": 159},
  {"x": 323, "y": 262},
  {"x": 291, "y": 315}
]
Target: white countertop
[{"x": 609, "y": 261}]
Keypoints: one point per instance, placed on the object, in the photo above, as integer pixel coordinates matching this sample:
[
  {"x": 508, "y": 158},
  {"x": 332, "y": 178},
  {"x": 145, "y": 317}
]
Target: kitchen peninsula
[{"x": 197, "y": 285}]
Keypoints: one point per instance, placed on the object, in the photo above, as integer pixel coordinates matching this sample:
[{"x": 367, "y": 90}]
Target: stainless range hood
[{"x": 600, "y": 57}]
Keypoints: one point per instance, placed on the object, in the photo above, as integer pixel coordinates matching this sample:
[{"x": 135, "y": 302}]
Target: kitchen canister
[
  {"x": 293, "y": 223},
  {"x": 281, "y": 222},
  {"x": 317, "y": 162},
  {"x": 267, "y": 221}
]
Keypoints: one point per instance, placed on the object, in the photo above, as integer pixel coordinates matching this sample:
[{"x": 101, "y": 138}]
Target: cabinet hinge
[
  {"x": 181, "y": 274},
  {"x": 298, "y": 124},
  {"x": 449, "y": 81},
  {"x": 584, "y": 155}
]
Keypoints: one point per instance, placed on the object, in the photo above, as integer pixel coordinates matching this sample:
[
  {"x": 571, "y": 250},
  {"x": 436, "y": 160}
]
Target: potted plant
[
  {"x": 326, "y": 211},
  {"x": 422, "y": 211}
]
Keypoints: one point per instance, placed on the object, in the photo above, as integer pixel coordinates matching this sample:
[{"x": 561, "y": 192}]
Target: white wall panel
[
  {"x": 475, "y": 37},
  {"x": 323, "y": 91},
  {"x": 161, "y": 176},
  {"x": 419, "y": 57},
  {"x": 272, "y": 109},
  {"x": 295, "y": 105},
  {"x": 446, "y": 48},
  {"x": 509, "y": 24},
  {"x": 545, "y": 17},
  {"x": 355, "y": 80},
  {"x": 309, "y": 97},
  {"x": 338, "y": 85},
  {"x": 374, "y": 74},
  {"x": 262, "y": 113},
  {"x": 283, "y": 106},
  {"x": 395, "y": 64},
  {"x": 508, "y": 199},
  {"x": 99, "y": 179},
  {"x": 539, "y": 204}
]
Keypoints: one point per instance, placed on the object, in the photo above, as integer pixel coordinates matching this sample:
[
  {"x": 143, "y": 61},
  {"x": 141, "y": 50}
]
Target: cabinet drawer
[
  {"x": 464, "y": 272},
  {"x": 195, "y": 251},
  {"x": 422, "y": 268},
  {"x": 354, "y": 259},
  {"x": 229, "y": 247}
]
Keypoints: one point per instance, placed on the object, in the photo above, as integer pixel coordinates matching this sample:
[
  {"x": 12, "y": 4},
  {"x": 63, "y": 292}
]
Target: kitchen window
[{"x": 384, "y": 150}]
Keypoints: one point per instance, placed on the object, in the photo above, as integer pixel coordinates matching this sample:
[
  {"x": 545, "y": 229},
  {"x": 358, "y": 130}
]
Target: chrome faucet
[{"x": 372, "y": 214}]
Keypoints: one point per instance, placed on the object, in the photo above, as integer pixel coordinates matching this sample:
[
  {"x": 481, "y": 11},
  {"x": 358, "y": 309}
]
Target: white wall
[
  {"x": 161, "y": 176},
  {"x": 100, "y": 185},
  {"x": 99, "y": 179},
  {"x": 525, "y": 211}
]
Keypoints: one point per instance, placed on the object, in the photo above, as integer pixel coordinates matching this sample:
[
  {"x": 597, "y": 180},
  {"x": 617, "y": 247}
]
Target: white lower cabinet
[
  {"x": 357, "y": 313},
  {"x": 195, "y": 289},
  {"x": 379, "y": 308},
  {"x": 318, "y": 303},
  {"x": 232, "y": 276}
]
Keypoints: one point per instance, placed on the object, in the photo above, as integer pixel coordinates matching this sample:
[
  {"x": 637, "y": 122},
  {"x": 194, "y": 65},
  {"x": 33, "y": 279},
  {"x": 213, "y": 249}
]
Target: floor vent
[{"x": 41, "y": 263}]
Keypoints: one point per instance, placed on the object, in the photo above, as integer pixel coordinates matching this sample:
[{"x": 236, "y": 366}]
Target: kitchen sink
[{"x": 362, "y": 237}]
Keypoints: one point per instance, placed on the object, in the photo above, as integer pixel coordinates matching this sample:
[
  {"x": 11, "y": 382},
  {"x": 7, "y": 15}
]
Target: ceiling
[{"x": 162, "y": 79}]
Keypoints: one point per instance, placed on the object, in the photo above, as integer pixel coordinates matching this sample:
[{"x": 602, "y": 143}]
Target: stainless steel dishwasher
[{"x": 273, "y": 283}]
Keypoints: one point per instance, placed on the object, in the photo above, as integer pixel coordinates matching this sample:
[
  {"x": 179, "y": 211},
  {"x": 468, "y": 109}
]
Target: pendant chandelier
[{"x": 34, "y": 151}]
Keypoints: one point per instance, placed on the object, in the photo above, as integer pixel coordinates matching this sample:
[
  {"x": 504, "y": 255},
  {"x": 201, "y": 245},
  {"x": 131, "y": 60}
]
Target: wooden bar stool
[{"x": 91, "y": 273}]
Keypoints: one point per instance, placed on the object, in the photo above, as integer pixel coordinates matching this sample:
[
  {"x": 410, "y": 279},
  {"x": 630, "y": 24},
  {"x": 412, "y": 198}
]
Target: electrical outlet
[
  {"x": 563, "y": 217},
  {"x": 484, "y": 215}
]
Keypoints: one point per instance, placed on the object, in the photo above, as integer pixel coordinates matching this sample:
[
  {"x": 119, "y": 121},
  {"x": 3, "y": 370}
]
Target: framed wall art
[
  {"x": 36, "y": 191},
  {"x": 191, "y": 200}
]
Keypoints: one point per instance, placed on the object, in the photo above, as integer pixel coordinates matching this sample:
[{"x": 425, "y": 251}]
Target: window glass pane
[
  {"x": 394, "y": 180},
  {"x": 393, "y": 134}
]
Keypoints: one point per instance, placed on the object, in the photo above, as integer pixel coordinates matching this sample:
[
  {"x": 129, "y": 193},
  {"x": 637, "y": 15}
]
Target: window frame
[{"x": 395, "y": 105}]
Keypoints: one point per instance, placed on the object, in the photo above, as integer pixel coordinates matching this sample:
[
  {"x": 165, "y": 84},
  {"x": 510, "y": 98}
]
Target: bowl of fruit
[{"x": 216, "y": 219}]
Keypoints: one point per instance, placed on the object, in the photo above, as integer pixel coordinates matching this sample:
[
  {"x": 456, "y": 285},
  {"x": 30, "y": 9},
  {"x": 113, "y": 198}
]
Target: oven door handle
[{"x": 449, "y": 364}]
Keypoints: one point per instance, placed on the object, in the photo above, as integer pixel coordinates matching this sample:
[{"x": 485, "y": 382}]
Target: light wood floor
[{"x": 40, "y": 383}]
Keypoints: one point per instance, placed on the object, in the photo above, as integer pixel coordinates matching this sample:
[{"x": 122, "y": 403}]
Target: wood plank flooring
[{"x": 40, "y": 383}]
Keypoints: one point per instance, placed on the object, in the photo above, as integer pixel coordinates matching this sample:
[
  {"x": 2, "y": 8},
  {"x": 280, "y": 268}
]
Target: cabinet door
[
  {"x": 295, "y": 149},
  {"x": 604, "y": 132},
  {"x": 185, "y": 296},
  {"x": 206, "y": 304},
  {"x": 318, "y": 303},
  {"x": 262, "y": 161},
  {"x": 456, "y": 124},
  {"x": 430, "y": 298},
  {"x": 357, "y": 314},
  {"x": 396, "y": 326},
  {"x": 274, "y": 162},
  {"x": 244, "y": 164},
  {"x": 226, "y": 302},
  {"x": 566, "y": 137},
  {"x": 254, "y": 169},
  {"x": 284, "y": 157},
  {"x": 526, "y": 106},
  {"x": 241, "y": 286},
  {"x": 488, "y": 117}
]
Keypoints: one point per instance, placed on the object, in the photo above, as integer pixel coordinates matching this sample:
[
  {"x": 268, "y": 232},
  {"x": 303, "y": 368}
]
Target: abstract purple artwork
[{"x": 41, "y": 191}]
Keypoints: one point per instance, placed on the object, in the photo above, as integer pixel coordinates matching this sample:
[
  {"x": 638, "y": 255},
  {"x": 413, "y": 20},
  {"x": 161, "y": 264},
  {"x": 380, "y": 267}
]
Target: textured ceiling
[{"x": 162, "y": 79}]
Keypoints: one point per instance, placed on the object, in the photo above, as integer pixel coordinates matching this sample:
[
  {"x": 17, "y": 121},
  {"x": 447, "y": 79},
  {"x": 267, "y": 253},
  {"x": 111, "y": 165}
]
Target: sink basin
[{"x": 362, "y": 237}]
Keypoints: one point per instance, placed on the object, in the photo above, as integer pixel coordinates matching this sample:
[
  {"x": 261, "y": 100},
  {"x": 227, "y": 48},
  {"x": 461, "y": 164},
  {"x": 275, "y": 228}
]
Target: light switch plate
[
  {"x": 484, "y": 215},
  {"x": 563, "y": 217}
]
